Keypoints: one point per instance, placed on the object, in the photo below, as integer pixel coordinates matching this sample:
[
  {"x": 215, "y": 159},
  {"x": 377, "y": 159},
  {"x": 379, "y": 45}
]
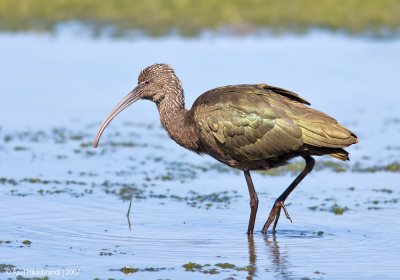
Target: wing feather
[
  {"x": 247, "y": 136},
  {"x": 253, "y": 122}
]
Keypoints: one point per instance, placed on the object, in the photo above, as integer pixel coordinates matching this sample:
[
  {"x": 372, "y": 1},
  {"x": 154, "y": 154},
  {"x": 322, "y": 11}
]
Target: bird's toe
[{"x": 274, "y": 216}]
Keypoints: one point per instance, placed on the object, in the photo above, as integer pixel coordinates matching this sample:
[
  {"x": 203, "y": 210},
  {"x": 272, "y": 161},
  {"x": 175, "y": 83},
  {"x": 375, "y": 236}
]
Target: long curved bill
[{"x": 133, "y": 96}]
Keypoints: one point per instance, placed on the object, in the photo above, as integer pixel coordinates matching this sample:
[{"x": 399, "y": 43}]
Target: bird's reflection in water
[
  {"x": 252, "y": 268},
  {"x": 278, "y": 259}
]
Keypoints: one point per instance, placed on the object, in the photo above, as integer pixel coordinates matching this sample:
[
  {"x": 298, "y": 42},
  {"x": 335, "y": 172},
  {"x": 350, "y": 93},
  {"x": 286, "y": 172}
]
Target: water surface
[{"x": 63, "y": 203}]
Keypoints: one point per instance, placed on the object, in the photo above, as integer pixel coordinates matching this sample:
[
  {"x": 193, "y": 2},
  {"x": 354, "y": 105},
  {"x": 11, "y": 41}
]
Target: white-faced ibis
[{"x": 248, "y": 127}]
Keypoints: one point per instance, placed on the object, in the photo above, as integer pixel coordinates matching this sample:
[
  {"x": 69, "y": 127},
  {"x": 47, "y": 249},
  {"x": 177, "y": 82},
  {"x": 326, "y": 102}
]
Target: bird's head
[{"x": 155, "y": 82}]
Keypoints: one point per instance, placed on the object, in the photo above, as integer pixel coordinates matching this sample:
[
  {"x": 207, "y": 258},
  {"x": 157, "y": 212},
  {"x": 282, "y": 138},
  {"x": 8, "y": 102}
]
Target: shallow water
[{"x": 189, "y": 215}]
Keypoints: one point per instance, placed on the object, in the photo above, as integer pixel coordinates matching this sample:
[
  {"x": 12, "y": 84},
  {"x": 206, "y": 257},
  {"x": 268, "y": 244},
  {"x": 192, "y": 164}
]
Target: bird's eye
[{"x": 147, "y": 82}]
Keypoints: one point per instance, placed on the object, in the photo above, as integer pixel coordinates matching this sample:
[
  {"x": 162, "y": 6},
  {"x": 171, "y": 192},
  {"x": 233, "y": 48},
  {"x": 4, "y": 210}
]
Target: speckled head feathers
[
  {"x": 156, "y": 72},
  {"x": 160, "y": 80}
]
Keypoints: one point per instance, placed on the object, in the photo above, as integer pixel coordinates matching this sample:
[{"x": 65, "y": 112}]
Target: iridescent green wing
[
  {"x": 242, "y": 123},
  {"x": 251, "y": 122}
]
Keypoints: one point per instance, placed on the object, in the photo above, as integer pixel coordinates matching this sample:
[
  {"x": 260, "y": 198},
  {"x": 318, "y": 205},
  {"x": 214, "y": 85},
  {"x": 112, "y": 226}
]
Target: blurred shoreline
[{"x": 376, "y": 19}]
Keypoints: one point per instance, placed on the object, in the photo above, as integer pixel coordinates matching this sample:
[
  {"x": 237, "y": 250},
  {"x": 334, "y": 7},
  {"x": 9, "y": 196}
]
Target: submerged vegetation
[
  {"x": 215, "y": 269},
  {"x": 6, "y": 267},
  {"x": 190, "y": 18}
]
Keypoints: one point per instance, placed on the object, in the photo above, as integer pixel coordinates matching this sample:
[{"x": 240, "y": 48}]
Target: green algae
[
  {"x": 220, "y": 168},
  {"x": 36, "y": 180},
  {"x": 384, "y": 190},
  {"x": 393, "y": 201},
  {"x": 296, "y": 167},
  {"x": 191, "y": 266},
  {"x": 374, "y": 208},
  {"x": 20, "y": 148},
  {"x": 335, "y": 208},
  {"x": 7, "y": 181},
  {"x": 153, "y": 269},
  {"x": 76, "y": 137},
  {"x": 337, "y": 167},
  {"x": 6, "y": 267},
  {"x": 128, "y": 270},
  {"x": 223, "y": 197},
  {"x": 127, "y": 192},
  {"x": 114, "y": 144},
  {"x": 292, "y": 169},
  {"x": 26, "y": 242},
  {"x": 7, "y": 138},
  {"x": 390, "y": 167},
  {"x": 215, "y": 269},
  {"x": 226, "y": 265},
  {"x": 210, "y": 271},
  {"x": 313, "y": 208},
  {"x": 338, "y": 210}
]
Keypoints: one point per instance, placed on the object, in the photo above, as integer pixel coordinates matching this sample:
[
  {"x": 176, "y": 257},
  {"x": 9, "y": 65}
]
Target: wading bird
[{"x": 247, "y": 127}]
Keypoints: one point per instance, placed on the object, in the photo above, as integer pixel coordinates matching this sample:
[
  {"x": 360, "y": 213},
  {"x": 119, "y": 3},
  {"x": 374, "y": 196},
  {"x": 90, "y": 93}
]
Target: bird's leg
[
  {"x": 253, "y": 202},
  {"x": 279, "y": 202}
]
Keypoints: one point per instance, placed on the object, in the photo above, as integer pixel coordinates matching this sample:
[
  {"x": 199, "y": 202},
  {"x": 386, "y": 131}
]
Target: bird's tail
[
  {"x": 341, "y": 154},
  {"x": 321, "y": 130},
  {"x": 338, "y": 153}
]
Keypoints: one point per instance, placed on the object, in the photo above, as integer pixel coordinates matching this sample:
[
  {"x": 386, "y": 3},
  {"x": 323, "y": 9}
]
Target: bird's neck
[{"x": 178, "y": 121}]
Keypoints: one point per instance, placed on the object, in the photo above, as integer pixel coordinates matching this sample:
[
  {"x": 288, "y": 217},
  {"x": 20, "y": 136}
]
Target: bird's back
[{"x": 246, "y": 123}]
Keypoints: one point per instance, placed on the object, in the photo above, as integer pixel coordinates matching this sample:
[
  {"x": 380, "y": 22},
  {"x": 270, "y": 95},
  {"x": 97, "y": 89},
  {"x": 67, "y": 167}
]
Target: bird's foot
[{"x": 274, "y": 216}]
